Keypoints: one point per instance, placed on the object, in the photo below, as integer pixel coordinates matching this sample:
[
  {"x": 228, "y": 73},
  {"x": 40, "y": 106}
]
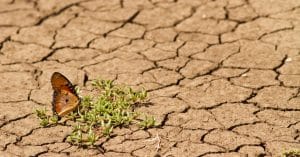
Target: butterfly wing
[
  {"x": 65, "y": 100},
  {"x": 59, "y": 81}
]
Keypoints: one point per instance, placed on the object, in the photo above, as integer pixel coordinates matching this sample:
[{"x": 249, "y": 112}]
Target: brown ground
[{"x": 223, "y": 76}]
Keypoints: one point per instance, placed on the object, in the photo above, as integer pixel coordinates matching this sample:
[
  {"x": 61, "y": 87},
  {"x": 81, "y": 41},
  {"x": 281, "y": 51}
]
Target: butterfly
[{"x": 65, "y": 99}]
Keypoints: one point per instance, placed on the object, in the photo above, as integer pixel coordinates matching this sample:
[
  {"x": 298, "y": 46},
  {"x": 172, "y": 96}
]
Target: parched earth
[{"x": 223, "y": 76}]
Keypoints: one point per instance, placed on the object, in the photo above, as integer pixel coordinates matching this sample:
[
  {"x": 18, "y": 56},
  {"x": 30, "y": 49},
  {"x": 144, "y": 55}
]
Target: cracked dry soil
[{"x": 223, "y": 76}]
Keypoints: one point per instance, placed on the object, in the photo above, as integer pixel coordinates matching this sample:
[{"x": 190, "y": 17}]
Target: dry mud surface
[{"x": 223, "y": 76}]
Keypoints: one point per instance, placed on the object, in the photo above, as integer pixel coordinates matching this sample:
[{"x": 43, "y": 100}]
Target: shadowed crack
[
  {"x": 15, "y": 119},
  {"x": 57, "y": 12}
]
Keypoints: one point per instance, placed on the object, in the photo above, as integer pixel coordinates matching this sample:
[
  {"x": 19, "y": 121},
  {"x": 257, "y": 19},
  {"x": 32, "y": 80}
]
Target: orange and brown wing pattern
[
  {"x": 59, "y": 81},
  {"x": 65, "y": 100}
]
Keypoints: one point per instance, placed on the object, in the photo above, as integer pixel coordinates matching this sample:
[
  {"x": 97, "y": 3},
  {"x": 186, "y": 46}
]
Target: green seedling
[
  {"x": 41, "y": 113},
  {"x": 76, "y": 135},
  {"x": 97, "y": 115},
  {"x": 292, "y": 153},
  {"x": 92, "y": 137},
  {"x": 148, "y": 122},
  {"x": 45, "y": 120},
  {"x": 107, "y": 130},
  {"x": 53, "y": 119}
]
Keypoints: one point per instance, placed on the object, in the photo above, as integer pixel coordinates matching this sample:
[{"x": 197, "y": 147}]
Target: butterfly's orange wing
[{"x": 65, "y": 100}]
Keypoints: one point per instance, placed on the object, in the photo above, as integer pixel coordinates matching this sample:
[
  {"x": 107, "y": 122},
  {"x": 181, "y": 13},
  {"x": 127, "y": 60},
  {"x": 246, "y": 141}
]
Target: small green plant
[
  {"x": 292, "y": 153},
  {"x": 97, "y": 116},
  {"x": 148, "y": 122},
  {"x": 46, "y": 120}
]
